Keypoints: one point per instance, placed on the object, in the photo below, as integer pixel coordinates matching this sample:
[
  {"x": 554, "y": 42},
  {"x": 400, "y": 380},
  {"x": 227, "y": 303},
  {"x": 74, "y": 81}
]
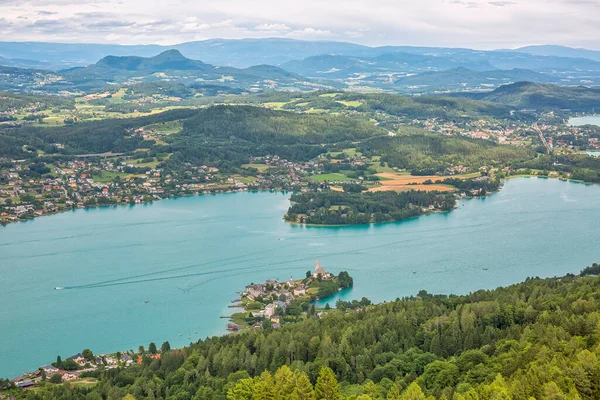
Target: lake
[
  {"x": 189, "y": 256},
  {"x": 579, "y": 121}
]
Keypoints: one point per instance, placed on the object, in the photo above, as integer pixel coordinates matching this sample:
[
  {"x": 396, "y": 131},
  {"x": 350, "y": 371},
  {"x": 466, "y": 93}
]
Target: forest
[
  {"x": 329, "y": 207},
  {"x": 536, "y": 339},
  {"x": 225, "y": 136}
]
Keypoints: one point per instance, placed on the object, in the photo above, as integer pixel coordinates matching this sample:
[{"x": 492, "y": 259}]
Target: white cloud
[
  {"x": 272, "y": 27},
  {"x": 309, "y": 33},
  {"x": 468, "y": 23}
]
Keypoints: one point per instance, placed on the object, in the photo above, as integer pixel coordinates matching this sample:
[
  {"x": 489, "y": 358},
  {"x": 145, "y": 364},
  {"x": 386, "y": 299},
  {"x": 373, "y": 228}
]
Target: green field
[
  {"x": 108, "y": 176},
  {"x": 331, "y": 177},
  {"x": 166, "y": 128},
  {"x": 260, "y": 167},
  {"x": 349, "y": 103}
]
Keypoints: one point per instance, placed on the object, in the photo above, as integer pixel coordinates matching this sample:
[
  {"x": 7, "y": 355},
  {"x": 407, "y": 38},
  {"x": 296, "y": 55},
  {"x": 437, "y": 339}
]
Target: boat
[
  {"x": 145, "y": 301},
  {"x": 58, "y": 288}
]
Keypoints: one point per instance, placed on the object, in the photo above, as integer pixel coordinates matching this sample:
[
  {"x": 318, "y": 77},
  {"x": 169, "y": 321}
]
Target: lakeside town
[
  {"x": 273, "y": 303},
  {"x": 83, "y": 366}
]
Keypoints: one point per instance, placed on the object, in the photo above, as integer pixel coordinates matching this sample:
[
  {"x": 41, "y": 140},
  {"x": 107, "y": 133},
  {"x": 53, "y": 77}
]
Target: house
[
  {"x": 78, "y": 358},
  {"x": 126, "y": 358},
  {"x": 111, "y": 360},
  {"x": 233, "y": 327},
  {"x": 254, "y": 291},
  {"x": 49, "y": 370},
  {"x": 270, "y": 310},
  {"x": 280, "y": 304},
  {"x": 24, "y": 383},
  {"x": 300, "y": 290}
]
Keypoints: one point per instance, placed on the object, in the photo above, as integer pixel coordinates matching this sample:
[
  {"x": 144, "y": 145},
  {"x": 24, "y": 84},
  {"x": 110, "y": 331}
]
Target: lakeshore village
[{"x": 271, "y": 304}]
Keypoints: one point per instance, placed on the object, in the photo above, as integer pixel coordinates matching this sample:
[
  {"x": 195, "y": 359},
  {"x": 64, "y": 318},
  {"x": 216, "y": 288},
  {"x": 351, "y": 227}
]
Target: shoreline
[{"x": 215, "y": 192}]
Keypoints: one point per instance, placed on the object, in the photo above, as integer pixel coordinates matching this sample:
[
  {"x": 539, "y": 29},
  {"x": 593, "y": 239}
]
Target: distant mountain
[
  {"x": 560, "y": 51},
  {"x": 170, "y": 66},
  {"x": 243, "y": 53},
  {"x": 543, "y": 97},
  {"x": 238, "y": 53},
  {"x": 459, "y": 79},
  {"x": 22, "y": 63}
]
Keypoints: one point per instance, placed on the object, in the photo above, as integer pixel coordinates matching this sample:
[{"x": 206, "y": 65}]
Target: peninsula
[{"x": 273, "y": 303}]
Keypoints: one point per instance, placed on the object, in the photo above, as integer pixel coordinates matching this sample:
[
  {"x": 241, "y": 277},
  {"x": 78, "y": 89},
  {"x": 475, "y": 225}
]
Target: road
[{"x": 542, "y": 138}]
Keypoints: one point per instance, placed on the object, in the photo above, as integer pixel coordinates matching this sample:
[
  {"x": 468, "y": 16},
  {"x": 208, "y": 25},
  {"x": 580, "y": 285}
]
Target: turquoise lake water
[
  {"x": 579, "y": 121},
  {"x": 109, "y": 260}
]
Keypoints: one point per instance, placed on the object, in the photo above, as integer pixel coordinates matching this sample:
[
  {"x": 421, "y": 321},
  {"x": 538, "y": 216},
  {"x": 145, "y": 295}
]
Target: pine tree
[
  {"x": 393, "y": 393},
  {"x": 284, "y": 382},
  {"x": 264, "y": 387},
  {"x": 413, "y": 392},
  {"x": 242, "y": 390},
  {"x": 327, "y": 387},
  {"x": 303, "y": 389}
]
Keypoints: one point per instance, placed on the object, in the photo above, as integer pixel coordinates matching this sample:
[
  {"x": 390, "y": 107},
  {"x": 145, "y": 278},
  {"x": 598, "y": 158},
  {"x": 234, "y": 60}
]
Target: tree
[
  {"x": 393, "y": 393},
  {"x": 284, "y": 382},
  {"x": 152, "y": 348},
  {"x": 166, "y": 346},
  {"x": 264, "y": 387},
  {"x": 87, "y": 354},
  {"x": 141, "y": 350},
  {"x": 56, "y": 378},
  {"x": 242, "y": 390},
  {"x": 128, "y": 396},
  {"x": 413, "y": 392},
  {"x": 303, "y": 389},
  {"x": 327, "y": 387}
]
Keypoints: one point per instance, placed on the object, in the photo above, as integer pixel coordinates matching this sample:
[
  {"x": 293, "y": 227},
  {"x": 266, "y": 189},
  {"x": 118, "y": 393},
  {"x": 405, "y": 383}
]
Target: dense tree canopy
[{"x": 537, "y": 339}]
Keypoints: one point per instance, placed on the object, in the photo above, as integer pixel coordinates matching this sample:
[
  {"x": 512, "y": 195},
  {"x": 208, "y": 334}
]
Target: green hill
[{"x": 543, "y": 97}]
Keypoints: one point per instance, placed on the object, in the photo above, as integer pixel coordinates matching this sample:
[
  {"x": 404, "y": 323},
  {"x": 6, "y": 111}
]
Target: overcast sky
[{"x": 484, "y": 24}]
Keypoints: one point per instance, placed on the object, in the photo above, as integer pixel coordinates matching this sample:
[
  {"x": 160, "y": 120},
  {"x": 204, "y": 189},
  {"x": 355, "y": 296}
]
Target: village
[
  {"x": 271, "y": 304},
  {"x": 84, "y": 365},
  {"x": 30, "y": 189}
]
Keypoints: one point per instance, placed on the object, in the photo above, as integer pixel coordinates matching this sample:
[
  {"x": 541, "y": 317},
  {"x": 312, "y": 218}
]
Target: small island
[{"x": 273, "y": 303}]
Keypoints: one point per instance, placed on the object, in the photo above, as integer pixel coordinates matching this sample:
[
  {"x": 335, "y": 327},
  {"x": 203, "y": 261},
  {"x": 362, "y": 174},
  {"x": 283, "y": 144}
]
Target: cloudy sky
[{"x": 481, "y": 24}]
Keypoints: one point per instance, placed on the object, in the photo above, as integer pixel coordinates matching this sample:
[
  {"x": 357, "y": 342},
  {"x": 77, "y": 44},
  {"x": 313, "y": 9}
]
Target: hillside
[
  {"x": 543, "y": 97},
  {"x": 537, "y": 339}
]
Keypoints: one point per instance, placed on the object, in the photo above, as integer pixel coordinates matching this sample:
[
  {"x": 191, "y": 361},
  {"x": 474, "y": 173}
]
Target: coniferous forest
[{"x": 537, "y": 339}]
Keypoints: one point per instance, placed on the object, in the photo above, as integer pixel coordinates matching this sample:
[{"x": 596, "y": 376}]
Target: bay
[
  {"x": 580, "y": 121},
  {"x": 189, "y": 256}
]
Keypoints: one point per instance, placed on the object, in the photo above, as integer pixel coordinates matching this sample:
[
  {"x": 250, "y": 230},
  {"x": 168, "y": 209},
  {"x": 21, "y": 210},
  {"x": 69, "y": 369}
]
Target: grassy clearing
[
  {"x": 108, "y": 176},
  {"x": 352, "y": 103},
  {"x": 260, "y": 167},
  {"x": 331, "y": 177},
  {"x": 328, "y": 94},
  {"x": 166, "y": 128},
  {"x": 276, "y": 105}
]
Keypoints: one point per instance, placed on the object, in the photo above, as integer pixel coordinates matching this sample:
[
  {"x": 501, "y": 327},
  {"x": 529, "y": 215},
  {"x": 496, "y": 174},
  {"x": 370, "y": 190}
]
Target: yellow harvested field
[{"x": 400, "y": 182}]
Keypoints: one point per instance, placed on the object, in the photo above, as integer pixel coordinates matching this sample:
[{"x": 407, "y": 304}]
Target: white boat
[{"x": 58, "y": 288}]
